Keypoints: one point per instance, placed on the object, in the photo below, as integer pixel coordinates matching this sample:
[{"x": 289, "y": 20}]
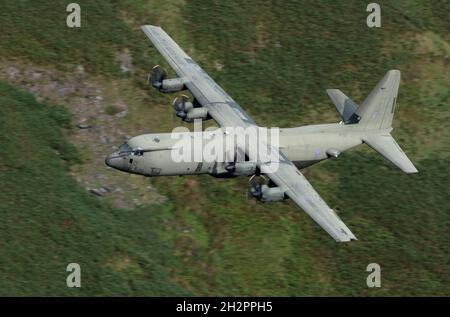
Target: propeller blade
[
  {"x": 256, "y": 183},
  {"x": 181, "y": 114},
  {"x": 156, "y": 77},
  {"x": 182, "y": 103}
]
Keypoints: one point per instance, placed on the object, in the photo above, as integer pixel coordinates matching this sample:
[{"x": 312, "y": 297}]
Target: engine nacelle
[
  {"x": 241, "y": 168},
  {"x": 333, "y": 153},
  {"x": 196, "y": 113},
  {"x": 157, "y": 78},
  {"x": 172, "y": 85},
  {"x": 189, "y": 111},
  {"x": 265, "y": 193},
  {"x": 272, "y": 194}
]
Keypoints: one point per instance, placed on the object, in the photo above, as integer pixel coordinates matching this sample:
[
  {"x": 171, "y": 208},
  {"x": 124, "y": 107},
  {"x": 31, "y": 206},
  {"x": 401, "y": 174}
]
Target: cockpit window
[
  {"x": 138, "y": 151},
  {"x": 125, "y": 148}
]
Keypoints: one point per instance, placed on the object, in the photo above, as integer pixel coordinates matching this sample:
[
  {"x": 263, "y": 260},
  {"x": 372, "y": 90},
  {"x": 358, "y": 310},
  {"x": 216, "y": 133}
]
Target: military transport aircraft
[{"x": 369, "y": 123}]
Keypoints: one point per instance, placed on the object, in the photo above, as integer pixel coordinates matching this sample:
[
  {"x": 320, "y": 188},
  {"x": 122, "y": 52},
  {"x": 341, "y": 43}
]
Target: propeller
[
  {"x": 156, "y": 76},
  {"x": 255, "y": 188},
  {"x": 230, "y": 158},
  {"x": 182, "y": 105}
]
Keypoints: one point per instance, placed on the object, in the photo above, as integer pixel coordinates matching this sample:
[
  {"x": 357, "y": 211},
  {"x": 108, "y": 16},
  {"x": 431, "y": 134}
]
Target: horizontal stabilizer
[
  {"x": 344, "y": 105},
  {"x": 386, "y": 146}
]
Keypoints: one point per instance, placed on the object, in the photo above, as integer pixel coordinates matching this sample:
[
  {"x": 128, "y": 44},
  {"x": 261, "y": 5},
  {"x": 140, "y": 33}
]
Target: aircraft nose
[{"x": 114, "y": 160}]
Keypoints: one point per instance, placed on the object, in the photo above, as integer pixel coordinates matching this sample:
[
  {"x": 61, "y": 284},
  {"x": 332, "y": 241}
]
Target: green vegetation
[
  {"x": 48, "y": 221},
  {"x": 112, "y": 110},
  {"x": 276, "y": 61}
]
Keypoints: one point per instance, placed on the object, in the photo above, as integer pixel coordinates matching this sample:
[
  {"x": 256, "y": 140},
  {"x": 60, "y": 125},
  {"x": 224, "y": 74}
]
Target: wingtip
[
  {"x": 394, "y": 72},
  {"x": 409, "y": 168},
  {"x": 150, "y": 26},
  {"x": 344, "y": 235},
  {"x": 347, "y": 239},
  {"x": 412, "y": 171}
]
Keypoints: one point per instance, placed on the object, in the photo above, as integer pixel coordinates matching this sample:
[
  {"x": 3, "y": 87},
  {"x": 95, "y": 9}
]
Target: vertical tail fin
[
  {"x": 377, "y": 111},
  {"x": 374, "y": 118}
]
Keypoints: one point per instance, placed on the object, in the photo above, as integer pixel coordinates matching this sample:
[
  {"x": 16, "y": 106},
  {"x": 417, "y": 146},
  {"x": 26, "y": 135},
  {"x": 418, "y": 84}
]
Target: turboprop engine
[
  {"x": 188, "y": 111},
  {"x": 241, "y": 168},
  {"x": 157, "y": 78},
  {"x": 263, "y": 191}
]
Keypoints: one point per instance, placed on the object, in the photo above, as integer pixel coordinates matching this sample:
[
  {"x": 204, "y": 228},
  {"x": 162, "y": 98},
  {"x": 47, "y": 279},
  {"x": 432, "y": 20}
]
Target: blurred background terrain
[{"x": 69, "y": 96}]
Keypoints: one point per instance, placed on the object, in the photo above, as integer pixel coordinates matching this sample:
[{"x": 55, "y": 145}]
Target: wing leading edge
[
  {"x": 229, "y": 114},
  {"x": 208, "y": 93}
]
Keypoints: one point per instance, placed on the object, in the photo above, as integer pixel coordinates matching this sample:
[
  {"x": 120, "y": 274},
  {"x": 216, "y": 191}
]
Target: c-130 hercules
[{"x": 370, "y": 123}]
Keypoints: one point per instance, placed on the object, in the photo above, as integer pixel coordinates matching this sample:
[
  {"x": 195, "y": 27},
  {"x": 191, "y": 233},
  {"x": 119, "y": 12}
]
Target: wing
[
  {"x": 228, "y": 113},
  {"x": 296, "y": 186},
  {"x": 209, "y": 94}
]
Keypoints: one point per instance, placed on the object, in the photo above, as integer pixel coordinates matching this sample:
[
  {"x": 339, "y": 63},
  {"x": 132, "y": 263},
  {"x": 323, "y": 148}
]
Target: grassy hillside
[
  {"x": 48, "y": 221},
  {"x": 276, "y": 61}
]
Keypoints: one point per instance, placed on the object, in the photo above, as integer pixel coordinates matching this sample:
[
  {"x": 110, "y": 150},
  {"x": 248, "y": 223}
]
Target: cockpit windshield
[{"x": 125, "y": 148}]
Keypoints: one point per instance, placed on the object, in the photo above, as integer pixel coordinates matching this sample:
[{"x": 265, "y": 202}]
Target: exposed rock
[
  {"x": 121, "y": 105},
  {"x": 104, "y": 139},
  {"x": 97, "y": 134},
  {"x": 217, "y": 65},
  {"x": 121, "y": 114},
  {"x": 125, "y": 61},
  {"x": 80, "y": 71},
  {"x": 36, "y": 75},
  {"x": 84, "y": 126},
  {"x": 103, "y": 190},
  {"x": 12, "y": 72},
  {"x": 96, "y": 192}
]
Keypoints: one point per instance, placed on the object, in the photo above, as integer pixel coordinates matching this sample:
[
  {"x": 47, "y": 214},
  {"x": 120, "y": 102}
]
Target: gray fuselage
[{"x": 304, "y": 146}]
